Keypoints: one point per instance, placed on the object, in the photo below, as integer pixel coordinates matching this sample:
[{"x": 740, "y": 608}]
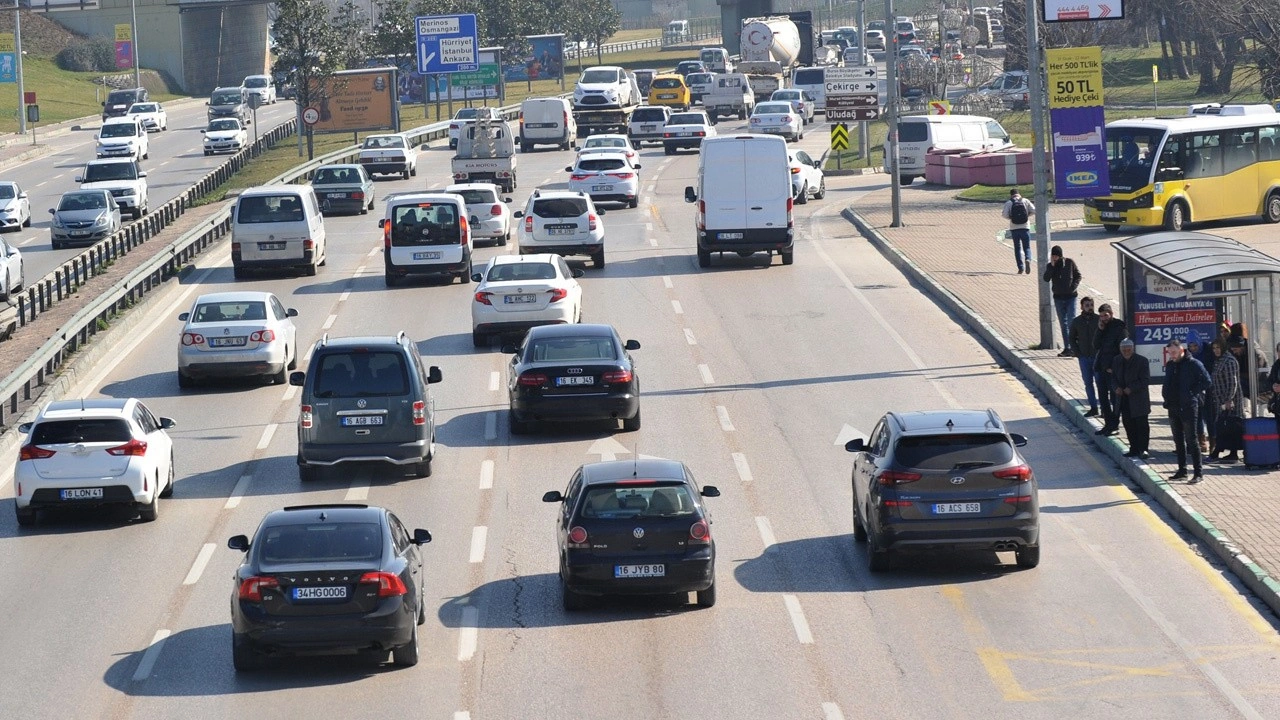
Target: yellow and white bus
[{"x": 1218, "y": 162}]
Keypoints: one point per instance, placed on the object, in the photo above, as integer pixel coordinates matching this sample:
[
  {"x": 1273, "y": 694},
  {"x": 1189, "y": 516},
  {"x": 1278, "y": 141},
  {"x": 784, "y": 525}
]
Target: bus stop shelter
[{"x": 1175, "y": 282}]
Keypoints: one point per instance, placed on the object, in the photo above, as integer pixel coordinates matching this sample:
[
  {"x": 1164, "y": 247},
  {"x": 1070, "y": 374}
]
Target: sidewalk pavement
[{"x": 972, "y": 274}]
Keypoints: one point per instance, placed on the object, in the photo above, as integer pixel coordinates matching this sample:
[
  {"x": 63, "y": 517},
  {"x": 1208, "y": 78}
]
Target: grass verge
[
  {"x": 63, "y": 95},
  {"x": 991, "y": 193}
]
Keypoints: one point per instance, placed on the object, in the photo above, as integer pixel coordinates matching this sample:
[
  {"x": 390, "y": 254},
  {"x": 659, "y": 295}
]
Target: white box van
[
  {"x": 812, "y": 80},
  {"x": 716, "y": 59},
  {"x": 743, "y": 196},
  {"x": 917, "y": 134},
  {"x": 277, "y": 226},
  {"x": 426, "y": 234},
  {"x": 547, "y": 121}
]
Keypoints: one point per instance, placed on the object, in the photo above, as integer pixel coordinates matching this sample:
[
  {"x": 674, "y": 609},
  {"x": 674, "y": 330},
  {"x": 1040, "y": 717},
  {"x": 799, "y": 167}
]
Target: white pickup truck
[
  {"x": 389, "y": 155},
  {"x": 486, "y": 153},
  {"x": 122, "y": 178},
  {"x": 730, "y": 95}
]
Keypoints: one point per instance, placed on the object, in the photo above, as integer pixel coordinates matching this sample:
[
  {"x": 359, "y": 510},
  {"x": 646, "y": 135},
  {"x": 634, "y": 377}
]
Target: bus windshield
[{"x": 1131, "y": 151}]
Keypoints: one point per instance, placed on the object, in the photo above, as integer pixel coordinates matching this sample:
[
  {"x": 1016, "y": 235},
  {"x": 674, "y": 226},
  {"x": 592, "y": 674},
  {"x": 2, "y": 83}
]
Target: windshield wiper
[{"x": 971, "y": 464}]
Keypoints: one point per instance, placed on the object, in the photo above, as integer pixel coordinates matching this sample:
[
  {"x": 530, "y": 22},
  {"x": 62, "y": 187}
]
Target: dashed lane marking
[
  {"x": 479, "y": 536},
  {"x": 744, "y": 470},
  {"x": 830, "y": 711},
  {"x": 329, "y": 321},
  {"x": 237, "y": 492},
  {"x": 486, "y": 475},
  {"x": 267, "y": 433},
  {"x": 495, "y": 381},
  {"x": 491, "y": 426},
  {"x": 666, "y": 281},
  {"x": 797, "y": 619},
  {"x": 468, "y": 633},
  {"x": 149, "y": 657},
  {"x": 722, "y": 414},
  {"x": 358, "y": 491},
  {"x": 689, "y": 338},
  {"x": 197, "y": 568},
  {"x": 677, "y": 307},
  {"x": 706, "y": 375}
]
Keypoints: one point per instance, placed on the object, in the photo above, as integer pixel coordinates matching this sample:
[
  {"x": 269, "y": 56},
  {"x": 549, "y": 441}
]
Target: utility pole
[
  {"x": 1039, "y": 168},
  {"x": 891, "y": 77},
  {"x": 17, "y": 58},
  {"x": 864, "y": 140},
  {"x": 137, "y": 74}
]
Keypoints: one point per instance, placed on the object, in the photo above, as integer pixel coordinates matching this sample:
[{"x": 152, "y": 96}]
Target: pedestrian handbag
[{"x": 1230, "y": 432}]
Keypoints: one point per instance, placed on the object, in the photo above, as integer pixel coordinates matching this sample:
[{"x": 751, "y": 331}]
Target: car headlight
[
  {"x": 1144, "y": 200},
  {"x": 208, "y": 139},
  {"x": 102, "y": 219},
  {"x": 57, "y": 221}
]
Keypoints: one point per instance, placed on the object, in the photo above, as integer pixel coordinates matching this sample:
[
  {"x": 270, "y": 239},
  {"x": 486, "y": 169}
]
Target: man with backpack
[{"x": 1017, "y": 210}]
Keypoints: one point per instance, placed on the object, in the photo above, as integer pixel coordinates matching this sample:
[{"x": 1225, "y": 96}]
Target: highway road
[
  {"x": 177, "y": 161},
  {"x": 753, "y": 375}
]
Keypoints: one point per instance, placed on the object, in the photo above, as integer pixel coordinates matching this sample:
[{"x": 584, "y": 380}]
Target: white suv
[
  {"x": 562, "y": 222},
  {"x": 606, "y": 177},
  {"x": 122, "y": 178},
  {"x": 605, "y": 86},
  {"x": 123, "y": 137},
  {"x": 262, "y": 86}
]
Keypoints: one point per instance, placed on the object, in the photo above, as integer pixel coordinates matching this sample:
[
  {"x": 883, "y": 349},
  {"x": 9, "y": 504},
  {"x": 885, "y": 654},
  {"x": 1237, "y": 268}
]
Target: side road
[{"x": 972, "y": 274}]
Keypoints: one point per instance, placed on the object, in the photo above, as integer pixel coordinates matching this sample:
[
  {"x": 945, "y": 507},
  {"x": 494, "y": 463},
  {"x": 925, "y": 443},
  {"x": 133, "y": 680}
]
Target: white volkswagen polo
[{"x": 237, "y": 334}]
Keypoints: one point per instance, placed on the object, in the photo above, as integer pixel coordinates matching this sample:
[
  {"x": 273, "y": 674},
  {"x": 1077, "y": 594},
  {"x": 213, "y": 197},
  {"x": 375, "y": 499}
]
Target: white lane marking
[
  {"x": 653, "y": 241},
  {"x": 373, "y": 252},
  {"x": 197, "y": 568},
  {"x": 237, "y": 492},
  {"x": 41, "y": 184},
  {"x": 675, "y": 305},
  {"x": 486, "y": 475},
  {"x": 798, "y": 620},
  {"x": 722, "y": 413},
  {"x": 491, "y": 426},
  {"x": 479, "y": 536},
  {"x": 830, "y": 711},
  {"x": 666, "y": 281},
  {"x": 267, "y": 433},
  {"x": 358, "y": 491},
  {"x": 329, "y": 321},
  {"x": 495, "y": 381},
  {"x": 468, "y": 633},
  {"x": 464, "y": 715},
  {"x": 343, "y": 297},
  {"x": 706, "y": 375},
  {"x": 150, "y": 656},
  {"x": 744, "y": 470},
  {"x": 648, "y": 227},
  {"x": 766, "y": 532},
  {"x": 289, "y": 392},
  {"x": 359, "y": 270},
  {"x": 689, "y": 338},
  {"x": 306, "y": 359}
]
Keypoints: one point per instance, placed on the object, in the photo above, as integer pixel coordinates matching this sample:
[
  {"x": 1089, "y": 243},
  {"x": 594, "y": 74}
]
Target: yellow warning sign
[
  {"x": 939, "y": 107},
  {"x": 839, "y": 136}
]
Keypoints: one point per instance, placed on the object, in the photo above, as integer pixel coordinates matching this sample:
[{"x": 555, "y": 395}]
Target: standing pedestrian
[
  {"x": 1063, "y": 277},
  {"x": 1185, "y": 381},
  {"x": 1132, "y": 373},
  {"x": 1111, "y": 331},
  {"x": 1084, "y": 336},
  {"x": 1227, "y": 403},
  {"x": 1202, "y": 352},
  {"x": 1217, "y": 349},
  {"x": 1017, "y": 210}
]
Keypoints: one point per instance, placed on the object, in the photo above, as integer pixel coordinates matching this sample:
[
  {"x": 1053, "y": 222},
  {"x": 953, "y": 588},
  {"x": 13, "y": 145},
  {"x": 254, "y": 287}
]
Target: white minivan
[
  {"x": 547, "y": 121},
  {"x": 426, "y": 234},
  {"x": 277, "y": 226},
  {"x": 917, "y": 134},
  {"x": 812, "y": 80},
  {"x": 744, "y": 197}
]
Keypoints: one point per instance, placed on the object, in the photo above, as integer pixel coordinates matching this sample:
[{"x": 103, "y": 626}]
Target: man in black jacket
[
  {"x": 1063, "y": 277},
  {"x": 1083, "y": 343},
  {"x": 1132, "y": 373},
  {"x": 1111, "y": 331},
  {"x": 1185, "y": 381}
]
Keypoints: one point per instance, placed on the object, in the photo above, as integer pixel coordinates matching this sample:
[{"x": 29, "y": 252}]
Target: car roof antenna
[{"x": 635, "y": 459}]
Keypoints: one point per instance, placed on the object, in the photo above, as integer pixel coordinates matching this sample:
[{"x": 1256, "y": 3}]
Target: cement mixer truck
[{"x": 770, "y": 47}]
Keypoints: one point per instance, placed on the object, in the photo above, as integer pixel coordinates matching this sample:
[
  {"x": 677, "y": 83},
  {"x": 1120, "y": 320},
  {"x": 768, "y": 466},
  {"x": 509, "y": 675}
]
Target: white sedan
[
  {"x": 801, "y": 102},
  {"x": 15, "y": 207},
  {"x": 224, "y": 135},
  {"x": 152, "y": 116},
  {"x": 807, "y": 177},
  {"x": 777, "y": 118},
  {"x": 237, "y": 334},
  {"x": 620, "y": 143},
  {"x": 489, "y": 215},
  {"x": 686, "y": 130},
  {"x": 517, "y": 292},
  {"x": 11, "y": 274},
  {"x": 606, "y": 177}
]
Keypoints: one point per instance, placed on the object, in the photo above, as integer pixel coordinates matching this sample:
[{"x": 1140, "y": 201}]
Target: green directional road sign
[
  {"x": 486, "y": 76},
  {"x": 839, "y": 136}
]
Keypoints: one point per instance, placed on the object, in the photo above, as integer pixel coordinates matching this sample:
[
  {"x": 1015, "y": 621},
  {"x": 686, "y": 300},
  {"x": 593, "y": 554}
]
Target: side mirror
[
  {"x": 517, "y": 214},
  {"x": 856, "y": 445},
  {"x": 201, "y": 132},
  {"x": 24, "y": 428},
  {"x": 166, "y": 423},
  {"x": 710, "y": 491},
  {"x": 97, "y": 137},
  {"x": 690, "y": 195},
  {"x": 552, "y": 496},
  {"x": 382, "y": 224},
  {"x": 22, "y": 195},
  {"x": 600, "y": 211},
  {"x": 1019, "y": 440},
  {"x": 291, "y": 312},
  {"x": 506, "y": 200},
  {"x": 510, "y": 348},
  {"x": 297, "y": 378},
  {"x": 104, "y": 103},
  {"x": 238, "y": 542},
  {"x": 636, "y": 166},
  {"x": 184, "y": 317},
  {"x": 79, "y": 178},
  {"x": 569, "y": 169},
  {"x": 434, "y": 375},
  {"x": 477, "y": 277},
  {"x": 206, "y": 102},
  {"x": 421, "y": 537},
  {"x": 142, "y": 174},
  {"x": 632, "y": 345},
  {"x": 52, "y": 211},
  {"x": 577, "y": 272}
]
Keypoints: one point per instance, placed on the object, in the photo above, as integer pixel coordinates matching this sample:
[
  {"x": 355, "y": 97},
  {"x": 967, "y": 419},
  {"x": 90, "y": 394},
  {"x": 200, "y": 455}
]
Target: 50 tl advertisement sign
[{"x": 1075, "y": 111}]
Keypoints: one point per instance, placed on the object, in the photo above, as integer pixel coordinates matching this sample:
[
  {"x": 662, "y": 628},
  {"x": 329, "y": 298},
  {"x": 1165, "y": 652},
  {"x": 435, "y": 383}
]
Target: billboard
[
  {"x": 358, "y": 100},
  {"x": 544, "y": 61},
  {"x": 8, "y": 59},
  {"x": 1076, "y": 10},
  {"x": 1080, "y": 168},
  {"x": 416, "y": 89},
  {"x": 124, "y": 46},
  {"x": 1161, "y": 310}
]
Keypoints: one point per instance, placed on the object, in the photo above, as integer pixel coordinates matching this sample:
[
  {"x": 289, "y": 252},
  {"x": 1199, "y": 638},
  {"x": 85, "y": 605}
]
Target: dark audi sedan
[
  {"x": 944, "y": 479},
  {"x": 328, "y": 579},
  {"x": 634, "y": 527},
  {"x": 572, "y": 373}
]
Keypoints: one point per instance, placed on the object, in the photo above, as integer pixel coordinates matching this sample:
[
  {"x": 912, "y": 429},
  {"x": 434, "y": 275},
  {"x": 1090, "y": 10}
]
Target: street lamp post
[
  {"x": 137, "y": 73},
  {"x": 17, "y": 57}
]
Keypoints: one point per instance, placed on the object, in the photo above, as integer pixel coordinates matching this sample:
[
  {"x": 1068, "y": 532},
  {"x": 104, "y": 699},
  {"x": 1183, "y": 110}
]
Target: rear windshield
[
  {"x": 142, "y": 108},
  {"x": 269, "y": 209},
  {"x": 687, "y": 119},
  {"x": 569, "y": 207},
  {"x": 943, "y": 452},
  {"x": 913, "y": 132},
  {"x": 81, "y": 430},
  {"x": 123, "y": 129},
  {"x": 808, "y": 77},
  {"x": 621, "y": 502},
  {"x": 571, "y": 349},
  {"x": 522, "y": 271},
  {"x": 773, "y": 109},
  {"x": 218, "y": 125},
  {"x": 476, "y": 197},
  {"x": 667, "y": 83},
  {"x": 121, "y": 98},
  {"x": 425, "y": 224},
  {"x": 216, "y": 312},
  {"x": 466, "y": 114},
  {"x": 335, "y": 176},
  {"x": 225, "y": 98},
  {"x": 361, "y": 374},
  {"x": 110, "y": 171},
  {"x": 648, "y": 115},
  {"x": 786, "y": 95},
  {"x": 321, "y": 542},
  {"x": 596, "y": 142},
  {"x": 601, "y": 163},
  {"x": 699, "y": 78},
  {"x": 599, "y": 76},
  {"x": 384, "y": 141},
  {"x": 256, "y": 82}
]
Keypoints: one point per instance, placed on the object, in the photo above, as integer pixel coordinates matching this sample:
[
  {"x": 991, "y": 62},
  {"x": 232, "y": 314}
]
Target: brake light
[
  {"x": 566, "y": 119},
  {"x": 308, "y": 244},
  {"x": 235, "y": 247},
  {"x": 1021, "y": 473},
  {"x": 496, "y": 209},
  {"x": 34, "y": 452},
  {"x": 419, "y": 412},
  {"x": 897, "y": 503},
  {"x": 389, "y": 584},
  {"x": 1017, "y": 500},
  {"x": 700, "y": 533},
  {"x": 528, "y": 223},
  {"x": 532, "y": 379},
  {"x": 305, "y": 416},
  {"x": 465, "y": 236},
  {"x": 251, "y": 588},
  {"x": 133, "y": 448},
  {"x": 558, "y": 294},
  {"x": 578, "y": 537},
  {"x": 795, "y": 171},
  {"x": 357, "y": 196},
  {"x": 483, "y": 298},
  {"x": 578, "y": 176},
  {"x": 667, "y": 135},
  {"x": 895, "y": 477},
  {"x": 265, "y": 336},
  {"x": 616, "y": 376},
  {"x": 454, "y": 126},
  {"x": 622, "y": 176},
  {"x": 386, "y": 235},
  {"x": 192, "y": 339},
  {"x": 591, "y": 221}
]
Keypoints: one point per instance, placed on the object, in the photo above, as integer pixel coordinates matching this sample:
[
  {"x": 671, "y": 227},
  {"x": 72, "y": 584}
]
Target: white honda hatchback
[{"x": 518, "y": 292}]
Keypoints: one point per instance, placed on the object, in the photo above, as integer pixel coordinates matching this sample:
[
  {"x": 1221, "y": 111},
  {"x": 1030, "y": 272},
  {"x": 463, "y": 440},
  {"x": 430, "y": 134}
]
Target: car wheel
[
  {"x": 742, "y": 114},
  {"x": 572, "y": 601},
  {"x": 906, "y": 179},
  {"x": 136, "y": 213},
  {"x": 310, "y": 270},
  {"x": 803, "y": 197},
  {"x": 422, "y": 468},
  {"x": 280, "y": 378},
  {"x": 407, "y": 655},
  {"x": 1175, "y": 218},
  {"x": 207, "y": 153},
  {"x": 859, "y": 530},
  {"x": 308, "y": 473},
  {"x": 479, "y": 340},
  {"x": 168, "y": 486},
  {"x": 391, "y": 280},
  {"x": 669, "y": 150},
  {"x": 525, "y": 147},
  {"x": 597, "y": 260},
  {"x": 1028, "y": 557},
  {"x": 422, "y": 607},
  {"x": 707, "y": 598},
  {"x": 633, "y": 203},
  {"x": 404, "y": 175},
  {"x": 413, "y": 171},
  {"x": 26, "y": 516},
  {"x": 244, "y": 657},
  {"x": 878, "y": 559},
  {"x": 150, "y": 511},
  {"x": 517, "y": 427},
  {"x": 632, "y": 424},
  {"x": 27, "y": 222},
  {"x": 506, "y": 240},
  {"x": 1111, "y": 228},
  {"x": 788, "y": 256},
  {"x": 293, "y": 360},
  {"x": 1272, "y": 212},
  {"x": 704, "y": 258},
  {"x": 822, "y": 189}
]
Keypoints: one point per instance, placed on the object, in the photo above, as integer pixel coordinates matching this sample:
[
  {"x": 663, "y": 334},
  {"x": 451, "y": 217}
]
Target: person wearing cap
[
  {"x": 1063, "y": 277},
  {"x": 1132, "y": 373},
  {"x": 1018, "y": 211},
  {"x": 1185, "y": 381}
]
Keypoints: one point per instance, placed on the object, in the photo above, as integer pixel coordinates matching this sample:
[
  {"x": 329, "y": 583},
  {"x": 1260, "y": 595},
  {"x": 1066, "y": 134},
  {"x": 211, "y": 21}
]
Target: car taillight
[
  {"x": 528, "y": 223},
  {"x": 616, "y": 376},
  {"x": 235, "y": 247},
  {"x": 308, "y": 244},
  {"x": 532, "y": 379},
  {"x": 305, "y": 416},
  {"x": 1021, "y": 473},
  {"x": 192, "y": 339},
  {"x": 558, "y": 294},
  {"x": 795, "y": 171},
  {"x": 755, "y": 121},
  {"x": 34, "y": 452},
  {"x": 419, "y": 412},
  {"x": 895, "y": 477},
  {"x": 667, "y": 135},
  {"x": 591, "y": 221},
  {"x": 495, "y": 210},
  {"x": 483, "y": 298},
  {"x": 465, "y": 235},
  {"x": 386, "y": 235},
  {"x": 622, "y": 176},
  {"x": 134, "y": 448},
  {"x": 251, "y": 588},
  {"x": 578, "y": 536},
  {"x": 357, "y": 196},
  {"x": 265, "y": 336},
  {"x": 700, "y": 533},
  {"x": 453, "y": 126},
  {"x": 787, "y": 118},
  {"x": 389, "y": 584},
  {"x": 579, "y": 176}
]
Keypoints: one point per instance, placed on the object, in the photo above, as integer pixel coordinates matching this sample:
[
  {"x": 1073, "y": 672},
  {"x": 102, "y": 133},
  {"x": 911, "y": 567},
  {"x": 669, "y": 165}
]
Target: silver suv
[{"x": 562, "y": 222}]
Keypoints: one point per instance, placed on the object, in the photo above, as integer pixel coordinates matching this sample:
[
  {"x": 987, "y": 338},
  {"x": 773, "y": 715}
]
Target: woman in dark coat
[
  {"x": 1227, "y": 401},
  {"x": 1132, "y": 375}
]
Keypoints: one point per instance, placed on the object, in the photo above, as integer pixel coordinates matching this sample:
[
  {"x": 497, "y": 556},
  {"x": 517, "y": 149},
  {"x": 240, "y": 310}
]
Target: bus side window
[
  {"x": 1267, "y": 144},
  {"x": 1172, "y": 159},
  {"x": 1205, "y": 156},
  {"x": 1241, "y": 150}
]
